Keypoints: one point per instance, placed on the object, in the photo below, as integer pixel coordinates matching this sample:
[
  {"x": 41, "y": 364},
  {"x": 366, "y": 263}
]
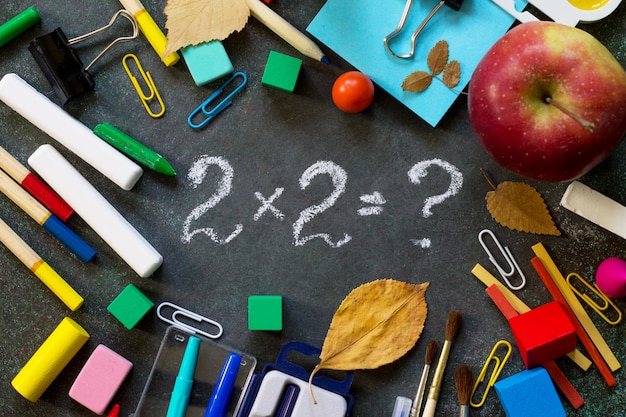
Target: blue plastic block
[
  {"x": 207, "y": 61},
  {"x": 529, "y": 393}
]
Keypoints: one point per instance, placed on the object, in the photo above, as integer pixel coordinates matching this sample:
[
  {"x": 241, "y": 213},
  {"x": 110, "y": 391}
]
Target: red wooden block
[{"x": 543, "y": 334}]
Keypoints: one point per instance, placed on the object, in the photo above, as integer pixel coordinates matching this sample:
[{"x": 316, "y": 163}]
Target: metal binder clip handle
[
  {"x": 222, "y": 105},
  {"x": 497, "y": 368},
  {"x": 453, "y": 4},
  {"x": 508, "y": 257},
  {"x": 190, "y": 315}
]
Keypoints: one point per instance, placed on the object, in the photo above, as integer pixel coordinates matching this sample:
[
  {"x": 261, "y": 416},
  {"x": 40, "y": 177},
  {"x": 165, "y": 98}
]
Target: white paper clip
[
  {"x": 181, "y": 312},
  {"x": 508, "y": 257}
]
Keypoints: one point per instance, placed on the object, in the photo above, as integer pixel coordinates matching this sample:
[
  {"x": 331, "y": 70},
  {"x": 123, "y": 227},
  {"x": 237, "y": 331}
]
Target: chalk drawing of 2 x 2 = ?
[{"x": 373, "y": 203}]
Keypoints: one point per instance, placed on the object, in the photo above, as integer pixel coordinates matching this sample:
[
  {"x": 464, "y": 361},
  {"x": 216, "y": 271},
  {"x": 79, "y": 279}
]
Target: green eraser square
[
  {"x": 130, "y": 306},
  {"x": 281, "y": 71},
  {"x": 207, "y": 61},
  {"x": 265, "y": 312}
]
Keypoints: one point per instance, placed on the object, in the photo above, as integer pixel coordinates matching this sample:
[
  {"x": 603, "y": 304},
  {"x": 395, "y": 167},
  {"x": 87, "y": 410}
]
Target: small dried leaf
[
  {"x": 190, "y": 22},
  {"x": 438, "y": 57},
  {"x": 375, "y": 324},
  {"x": 452, "y": 74},
  {"x": 416, "y": 82},
  {"x": 519, "y": 206}
]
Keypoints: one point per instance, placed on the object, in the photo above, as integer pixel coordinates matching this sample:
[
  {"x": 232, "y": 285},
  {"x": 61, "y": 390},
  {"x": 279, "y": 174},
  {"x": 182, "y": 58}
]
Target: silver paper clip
[
  {"x": 453, "y": 4},
  {"x": 211, "y": 113},
  {"x": 508, "y": 257},
  {"x": 181, "y": 312}
]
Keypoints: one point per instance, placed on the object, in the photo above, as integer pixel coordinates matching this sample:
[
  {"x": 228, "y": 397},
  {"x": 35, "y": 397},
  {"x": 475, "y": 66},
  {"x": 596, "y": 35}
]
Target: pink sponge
[
  {"x": 611, "y": 277},
  {"x": 100, "y": 378}
]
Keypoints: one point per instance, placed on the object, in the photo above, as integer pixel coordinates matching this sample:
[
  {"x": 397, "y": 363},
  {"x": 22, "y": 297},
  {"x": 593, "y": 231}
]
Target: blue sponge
[
  {"x": 529, "y": 393},
  {"x": 207, "y": 61}
]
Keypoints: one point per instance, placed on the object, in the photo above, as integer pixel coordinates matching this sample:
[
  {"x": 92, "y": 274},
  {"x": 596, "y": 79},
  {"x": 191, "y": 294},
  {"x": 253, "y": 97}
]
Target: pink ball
[{"x": 611, "y": 277}]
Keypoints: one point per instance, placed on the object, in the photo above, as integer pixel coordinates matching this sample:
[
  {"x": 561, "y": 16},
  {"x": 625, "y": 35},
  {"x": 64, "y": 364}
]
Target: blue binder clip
[{"x": 222, "y": 105}]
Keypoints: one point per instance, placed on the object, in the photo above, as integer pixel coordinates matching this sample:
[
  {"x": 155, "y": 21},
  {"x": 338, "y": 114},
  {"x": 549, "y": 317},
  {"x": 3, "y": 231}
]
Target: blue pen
[
  {"x": 218, "y": 404},
  {"x": 184, "y": 380}
]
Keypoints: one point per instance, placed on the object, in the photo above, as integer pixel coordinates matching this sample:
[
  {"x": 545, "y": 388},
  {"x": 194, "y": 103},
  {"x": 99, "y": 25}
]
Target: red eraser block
[
  {"x": 100, "y": 378},
  {"x": 543, "y": 334}
]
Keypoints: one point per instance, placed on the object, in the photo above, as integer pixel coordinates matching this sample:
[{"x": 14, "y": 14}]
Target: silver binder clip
[
  {"x": 179, "y": 312},
  {"x": 508, "y": 257}
]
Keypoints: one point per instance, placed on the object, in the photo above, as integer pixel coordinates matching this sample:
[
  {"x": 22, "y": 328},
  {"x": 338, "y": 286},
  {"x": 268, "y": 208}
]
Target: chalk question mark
[{"x": 420, "y": 170}]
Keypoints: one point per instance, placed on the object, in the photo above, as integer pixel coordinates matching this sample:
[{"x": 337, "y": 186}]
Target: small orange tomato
[{"x": 353, "y": 92}]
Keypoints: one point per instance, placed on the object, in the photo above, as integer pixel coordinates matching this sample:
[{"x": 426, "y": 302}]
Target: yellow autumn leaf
[
  {"x": 438, "y": 57},
  {"x": 417, "y": 81},
  {"x": 191, "y": 22},
  {"x": 519, "y": 206},
  {"x": 375, "y": 324}
]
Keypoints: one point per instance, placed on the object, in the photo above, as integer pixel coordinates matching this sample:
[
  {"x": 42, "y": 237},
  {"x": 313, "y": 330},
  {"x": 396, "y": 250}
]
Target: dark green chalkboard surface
[{"x": 257, "y": 176}]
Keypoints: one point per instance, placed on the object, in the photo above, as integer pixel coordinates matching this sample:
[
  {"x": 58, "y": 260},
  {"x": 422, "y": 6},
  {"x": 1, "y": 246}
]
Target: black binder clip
[
  {"x": 453, "y": 4},
  {"x": 61, "y": 64}
]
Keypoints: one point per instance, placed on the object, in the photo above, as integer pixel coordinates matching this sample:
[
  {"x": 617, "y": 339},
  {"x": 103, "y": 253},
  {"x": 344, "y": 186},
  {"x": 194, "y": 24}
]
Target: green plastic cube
[
  {"x": 281, "y": 71},
  {"x": 130, "y": 306},
  {"x": 265, "y": 312}
]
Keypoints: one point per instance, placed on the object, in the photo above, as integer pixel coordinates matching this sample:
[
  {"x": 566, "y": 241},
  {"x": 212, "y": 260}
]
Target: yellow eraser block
[{"x": 50, "y": 359}]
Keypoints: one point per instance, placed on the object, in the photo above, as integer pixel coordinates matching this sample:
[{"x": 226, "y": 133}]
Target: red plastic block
[{"x": 543, "y": 334}]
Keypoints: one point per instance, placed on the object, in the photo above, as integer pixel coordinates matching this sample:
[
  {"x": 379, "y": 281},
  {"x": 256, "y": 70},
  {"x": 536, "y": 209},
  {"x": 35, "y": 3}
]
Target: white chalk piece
[
  {"x": 95, "y": 210},
  {"x": 595, "y": 207},
  {"x": 75, "y": 136}
]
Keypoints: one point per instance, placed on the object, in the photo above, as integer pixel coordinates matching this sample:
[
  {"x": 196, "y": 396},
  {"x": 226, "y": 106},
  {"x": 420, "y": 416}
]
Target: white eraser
[
  {"x": 69, "y": 132},
  {"x": 595, "y": 207},
  {"x": 95, "y": 210}
]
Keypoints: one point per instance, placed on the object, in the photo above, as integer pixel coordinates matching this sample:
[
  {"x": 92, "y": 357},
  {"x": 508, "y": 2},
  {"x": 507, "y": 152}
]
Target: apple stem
[
  {"x": 584, "y": 123},
  {"x": 488, "y": 179}
]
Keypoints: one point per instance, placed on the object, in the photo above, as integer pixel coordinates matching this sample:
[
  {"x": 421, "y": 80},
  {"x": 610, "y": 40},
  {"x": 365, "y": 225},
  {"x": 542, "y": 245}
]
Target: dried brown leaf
[
  {"x": 438, "y": 57},
  {"x": 452, "y": 74},
  {"x": 519, "y": 206},
  {"x": 190, "y": 22},
  {"x": 417, "y": 81}
]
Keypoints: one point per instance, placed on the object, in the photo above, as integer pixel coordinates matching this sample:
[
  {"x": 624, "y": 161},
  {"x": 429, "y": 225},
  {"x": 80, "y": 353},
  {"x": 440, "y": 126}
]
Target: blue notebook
[{"x": 354, "y": 29}]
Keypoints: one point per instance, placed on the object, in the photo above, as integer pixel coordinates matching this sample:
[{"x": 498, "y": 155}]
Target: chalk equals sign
[{"x": 376, "y": 201}]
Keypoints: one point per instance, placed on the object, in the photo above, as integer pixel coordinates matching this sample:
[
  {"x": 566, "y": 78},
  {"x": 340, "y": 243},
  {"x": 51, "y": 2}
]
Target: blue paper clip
[{"x": 211, "y": 113}]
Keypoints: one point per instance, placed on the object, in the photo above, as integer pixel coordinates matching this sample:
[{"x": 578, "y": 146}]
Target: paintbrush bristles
[
  {"x": 453, "y": 324},
  {"x": 464, "y": 382},
  {"x": 431, "y": 351}
]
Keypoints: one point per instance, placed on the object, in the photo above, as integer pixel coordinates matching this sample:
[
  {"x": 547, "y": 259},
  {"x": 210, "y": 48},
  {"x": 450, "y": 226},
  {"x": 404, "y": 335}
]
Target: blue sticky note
[
  {"x": 207, "y": 61},
  {"x": 355, "y": 30}
]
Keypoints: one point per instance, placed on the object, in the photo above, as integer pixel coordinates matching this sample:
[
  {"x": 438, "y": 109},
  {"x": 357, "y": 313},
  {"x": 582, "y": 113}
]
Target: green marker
[
  {"x": 18, "y": 24},
  {"x": 136, "y": 150}
]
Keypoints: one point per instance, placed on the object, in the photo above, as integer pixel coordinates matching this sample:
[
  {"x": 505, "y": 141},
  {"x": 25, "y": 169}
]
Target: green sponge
[
  {"x": 130, "y": 306},
  {"x": 265, "y": 312},
  {"x": 281, "y": 71}
]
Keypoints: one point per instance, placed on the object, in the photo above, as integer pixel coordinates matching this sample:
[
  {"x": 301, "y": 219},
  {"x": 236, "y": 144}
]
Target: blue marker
[
  {"x": 218, "y": 404},
  {"x": 184, "y": 380}
]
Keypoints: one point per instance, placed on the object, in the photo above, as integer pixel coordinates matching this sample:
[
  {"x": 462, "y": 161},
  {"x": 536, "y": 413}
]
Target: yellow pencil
[{"x": 39, "y": 267}]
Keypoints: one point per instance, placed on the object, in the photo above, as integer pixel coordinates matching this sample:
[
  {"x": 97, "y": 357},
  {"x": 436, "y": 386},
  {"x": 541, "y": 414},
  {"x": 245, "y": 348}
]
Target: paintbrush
[
  {"x": 431, "y": 352},
  {"x": 464, "y": 382},
  {"x": 452, "y": 328}
]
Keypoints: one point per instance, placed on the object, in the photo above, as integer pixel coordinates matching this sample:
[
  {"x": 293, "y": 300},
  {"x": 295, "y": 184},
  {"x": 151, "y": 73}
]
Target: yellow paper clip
[
  {"x": 497, "y": 368},
  {"x": 153, "y": 93},
  {"x": 210, "y": 113},
  {"x": 178, "y": 312},
  {"x": 600, "y": 309}
]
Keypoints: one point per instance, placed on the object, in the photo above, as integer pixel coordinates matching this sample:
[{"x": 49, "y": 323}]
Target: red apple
[{"x": 548, "y": 101}]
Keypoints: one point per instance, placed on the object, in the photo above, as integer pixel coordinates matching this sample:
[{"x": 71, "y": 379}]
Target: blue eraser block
[
  {"x": 529, "y": 393},
  {"x": 207, "y": 61}
]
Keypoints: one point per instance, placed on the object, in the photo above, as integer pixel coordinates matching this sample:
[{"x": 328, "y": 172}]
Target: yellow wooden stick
[{"x": 576, "y": 307}]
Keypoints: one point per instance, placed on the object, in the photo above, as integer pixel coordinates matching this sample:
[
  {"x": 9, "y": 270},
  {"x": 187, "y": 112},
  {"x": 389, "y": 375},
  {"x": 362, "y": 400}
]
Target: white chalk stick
[
  {"x": 95, "y": 210},
  {"x": 62, "y": 127},
  {"x": 595, "y": 207}
]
